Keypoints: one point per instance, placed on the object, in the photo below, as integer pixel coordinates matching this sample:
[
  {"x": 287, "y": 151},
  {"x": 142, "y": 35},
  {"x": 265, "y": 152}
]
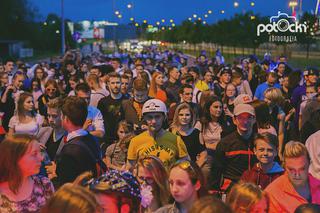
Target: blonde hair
[
  {"x": 72, "y": 199},
  {"x": 244, "y": 196},
  {"x": 160, "y": 177},
  {"x": 153, "y": 85},
  {"x": 175, "y": 123},
  {"x": 274, "y": 95},
  {"x": 295, "y": 149}
]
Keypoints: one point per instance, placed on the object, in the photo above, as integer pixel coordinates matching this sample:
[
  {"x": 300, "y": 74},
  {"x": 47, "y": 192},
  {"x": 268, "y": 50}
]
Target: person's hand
[
  {"x": 172, "y": 105},
  {"x": 51, "y": 170},
  {"x": 86, "y": 124},
  {"x": 10, "y": 88}
]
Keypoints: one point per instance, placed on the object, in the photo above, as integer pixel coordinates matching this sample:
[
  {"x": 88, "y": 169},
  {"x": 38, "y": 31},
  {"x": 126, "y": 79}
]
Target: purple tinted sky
[{"x": 155, "y": 10}]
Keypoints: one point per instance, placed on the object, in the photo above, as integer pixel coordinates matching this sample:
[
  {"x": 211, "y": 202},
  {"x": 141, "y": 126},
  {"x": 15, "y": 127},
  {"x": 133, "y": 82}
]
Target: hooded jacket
[{"x": 261, "y": 179}]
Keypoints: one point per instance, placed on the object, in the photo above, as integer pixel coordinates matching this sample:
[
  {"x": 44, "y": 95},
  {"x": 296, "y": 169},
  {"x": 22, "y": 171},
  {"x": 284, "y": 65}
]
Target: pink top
[{"x": 284, "y": 198}]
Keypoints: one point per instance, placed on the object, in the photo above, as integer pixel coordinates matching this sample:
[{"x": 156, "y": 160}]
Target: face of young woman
[
  {"x": 28, "y": 104},
  {"x": 121, "y": 133},
  {"x": 181, "y": 187},
  {"x": 144, "y": 176},
  {"x": 30, "y": 162},
  {"x": 73, "y": 84},
  {"x": 184, "y": 117},
  {"x": 51, "y": 90},
  {"x": 216, "y": 109},
  {"x": 159, "y": 80},
  {"x": 39, "y": 74},
  {"x": 35, "y": 86}
]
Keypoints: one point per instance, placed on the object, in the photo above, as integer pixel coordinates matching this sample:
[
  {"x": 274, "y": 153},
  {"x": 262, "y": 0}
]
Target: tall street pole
[{"x": 62, "y": 29}]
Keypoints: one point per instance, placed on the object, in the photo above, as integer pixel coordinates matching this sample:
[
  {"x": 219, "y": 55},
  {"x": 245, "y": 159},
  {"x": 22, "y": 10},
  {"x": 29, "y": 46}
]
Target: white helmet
[{"x": 154, "y": 105}]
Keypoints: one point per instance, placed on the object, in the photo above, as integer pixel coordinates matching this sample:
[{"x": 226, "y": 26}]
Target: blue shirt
[{"x": 259, "y": 94}]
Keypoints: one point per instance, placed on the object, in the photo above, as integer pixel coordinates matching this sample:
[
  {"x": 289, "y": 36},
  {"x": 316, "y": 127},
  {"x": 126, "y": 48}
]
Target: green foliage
[
  {"x": 17, "y": 21},
  {"x": 238, "y": 31}
]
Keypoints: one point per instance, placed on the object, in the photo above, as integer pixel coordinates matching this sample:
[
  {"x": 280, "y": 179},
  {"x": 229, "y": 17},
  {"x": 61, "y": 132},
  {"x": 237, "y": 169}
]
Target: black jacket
[
  {"x": 73, "y": 159},
  {"x": 233, "y": 156}
]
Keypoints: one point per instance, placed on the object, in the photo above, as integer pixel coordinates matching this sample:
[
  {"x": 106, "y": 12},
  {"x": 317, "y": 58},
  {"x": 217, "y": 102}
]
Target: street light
[
  {"x": 236, "y": 4},
  {"x": 293, "y": 4},
  {"x": 129, "y": 6},
  {"x": 62, "y": 28}
]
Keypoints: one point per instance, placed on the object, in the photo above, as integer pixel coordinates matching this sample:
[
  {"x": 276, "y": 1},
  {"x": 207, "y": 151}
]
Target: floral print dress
[{"x": 42, "y": 191}]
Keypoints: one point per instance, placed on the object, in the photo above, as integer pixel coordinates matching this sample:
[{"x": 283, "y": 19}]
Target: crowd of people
[{"x": 159, "y": 131}]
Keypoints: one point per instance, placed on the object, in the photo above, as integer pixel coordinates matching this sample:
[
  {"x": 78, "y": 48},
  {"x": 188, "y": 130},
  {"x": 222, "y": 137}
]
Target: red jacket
[
  {"x": 284, "y": 198},
  {"x": 256, "y": 175}
]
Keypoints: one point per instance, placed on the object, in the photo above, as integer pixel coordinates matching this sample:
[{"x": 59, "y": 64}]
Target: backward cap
[{"x": 154, "y": 105}]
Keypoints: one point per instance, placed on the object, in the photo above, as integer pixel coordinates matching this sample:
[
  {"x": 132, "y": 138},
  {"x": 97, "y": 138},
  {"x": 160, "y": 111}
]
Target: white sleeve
[
  {"x": 314, "y": 153},
  {"x": 97, "y": 121},
  {"x": 13, "y": 122}
]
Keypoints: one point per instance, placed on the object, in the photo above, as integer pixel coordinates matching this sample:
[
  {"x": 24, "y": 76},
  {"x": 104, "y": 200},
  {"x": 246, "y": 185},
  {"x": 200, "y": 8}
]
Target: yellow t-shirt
[
  {"x": 202, "y": 86},
  {"x": 168, "y": 148}
]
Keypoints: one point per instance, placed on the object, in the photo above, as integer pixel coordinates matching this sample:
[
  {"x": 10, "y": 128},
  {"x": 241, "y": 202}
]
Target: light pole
[
  {"x": 293, "y": 4},
  {"x": 62, "y": 28}
]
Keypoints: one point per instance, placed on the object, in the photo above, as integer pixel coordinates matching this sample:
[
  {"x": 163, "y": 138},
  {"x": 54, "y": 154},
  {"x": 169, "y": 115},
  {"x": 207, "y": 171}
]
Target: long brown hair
[
  {"x": 160, "y": 176},
  {"x": 20, "y": 108},
  {"x": 12, "y": 150}
]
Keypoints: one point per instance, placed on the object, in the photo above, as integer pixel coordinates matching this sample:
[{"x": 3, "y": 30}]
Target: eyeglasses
[{"x": 147, "y": 180}]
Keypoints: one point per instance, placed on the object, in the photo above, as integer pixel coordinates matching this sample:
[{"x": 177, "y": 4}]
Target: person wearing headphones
[{"x": 156, "y": 141}]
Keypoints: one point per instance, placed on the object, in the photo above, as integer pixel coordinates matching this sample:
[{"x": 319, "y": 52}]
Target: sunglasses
[
  {"x": 184, "y": 165},
  {"x": 50, "y": 90}
]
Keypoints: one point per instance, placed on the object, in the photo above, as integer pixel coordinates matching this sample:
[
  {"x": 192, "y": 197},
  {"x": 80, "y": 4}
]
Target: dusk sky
[{"x": 155, "y": 10}]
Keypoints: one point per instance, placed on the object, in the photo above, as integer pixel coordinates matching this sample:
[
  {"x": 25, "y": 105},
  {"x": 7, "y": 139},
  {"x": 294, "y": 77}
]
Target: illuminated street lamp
[
  {"x": 144, "y": 21},
  {"x": 252, "y": 4},
  {"x": 236, "y": 4},
  {"x": 131, "y": 19},
  {"x": 163, "y": 20},
  {"x": 171, "y": 20},
  {"x": 158, "y": 23},
  {"x": 222, "y": 11},
  {"x": 129, "y": 6},
  {"x": 189, "y": 19},
  {"x": 293, "y": 4},
  {"x": 206, "y": 15},
  {"x": 209, "y": 11},
  {"x": 194, "y": 15}
]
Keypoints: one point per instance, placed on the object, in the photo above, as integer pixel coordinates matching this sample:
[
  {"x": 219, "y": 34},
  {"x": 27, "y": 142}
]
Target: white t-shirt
[{"x": 30, "y": 128}]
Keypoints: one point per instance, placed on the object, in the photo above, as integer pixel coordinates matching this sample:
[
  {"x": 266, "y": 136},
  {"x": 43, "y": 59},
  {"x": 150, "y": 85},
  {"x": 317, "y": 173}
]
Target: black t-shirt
[
  {"x": 110, "y": 110},
  {"x": 193, "y": 144}
]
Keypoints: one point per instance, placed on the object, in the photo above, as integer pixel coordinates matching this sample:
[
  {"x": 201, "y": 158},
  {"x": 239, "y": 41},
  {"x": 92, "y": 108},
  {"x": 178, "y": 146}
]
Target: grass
[{"x": 300, "y": 63}]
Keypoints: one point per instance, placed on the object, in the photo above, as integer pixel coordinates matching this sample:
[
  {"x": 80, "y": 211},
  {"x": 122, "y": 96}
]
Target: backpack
[{"x": 100, "y": 166}]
